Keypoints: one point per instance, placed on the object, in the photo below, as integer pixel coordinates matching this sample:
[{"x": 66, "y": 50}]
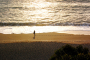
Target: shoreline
[
  {"x": 45, "y": 37},
  {"x": 82, "y": 30}
]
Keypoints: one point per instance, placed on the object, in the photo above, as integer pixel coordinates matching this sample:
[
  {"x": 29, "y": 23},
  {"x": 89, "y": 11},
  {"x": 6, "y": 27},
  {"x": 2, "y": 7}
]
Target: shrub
[
  {"x": 85, "y": 50},
  {"x": 79, "y": 49},
  {"x": 68, "y": 52},
  {"x": 68, "y": 49}
]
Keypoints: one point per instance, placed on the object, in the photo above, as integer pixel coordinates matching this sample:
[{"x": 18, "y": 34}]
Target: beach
[
  {"x": 25, "y": 47},
  {"x": 55, "y": 22},
  {"x": 45, "y": 37}
]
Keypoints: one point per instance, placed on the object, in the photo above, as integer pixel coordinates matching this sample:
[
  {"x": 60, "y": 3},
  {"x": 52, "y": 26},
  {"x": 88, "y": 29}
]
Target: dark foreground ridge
[{"x": 31, "y": 51}]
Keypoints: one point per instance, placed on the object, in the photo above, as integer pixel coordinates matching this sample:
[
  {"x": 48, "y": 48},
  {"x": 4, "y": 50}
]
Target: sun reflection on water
[{"x": 38, "y": 12}]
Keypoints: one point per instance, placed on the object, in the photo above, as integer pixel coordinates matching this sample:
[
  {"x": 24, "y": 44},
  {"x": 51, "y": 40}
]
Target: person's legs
[{"x": 34, "y": 36}]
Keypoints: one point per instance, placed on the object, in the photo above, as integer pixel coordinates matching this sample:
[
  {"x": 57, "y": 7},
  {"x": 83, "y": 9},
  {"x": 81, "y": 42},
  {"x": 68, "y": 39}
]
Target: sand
[
  {"x": 24, "y": 47},
  {"x": 45, "y": 37},
  {"x": 31, "y": 50}
]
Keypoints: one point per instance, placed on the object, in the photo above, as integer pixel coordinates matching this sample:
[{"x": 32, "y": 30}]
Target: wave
[
  {"x": 17, "y": 24},
  {"x": 73, "y": 0},
  {"x": 12, "y": 8},
  {"x": 45, "y": 29},
  {"x": 42, "y": 24}
]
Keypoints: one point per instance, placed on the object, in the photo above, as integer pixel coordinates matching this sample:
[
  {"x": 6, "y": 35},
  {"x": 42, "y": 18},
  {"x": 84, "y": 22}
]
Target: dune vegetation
[{"x": 69, "y": 52}]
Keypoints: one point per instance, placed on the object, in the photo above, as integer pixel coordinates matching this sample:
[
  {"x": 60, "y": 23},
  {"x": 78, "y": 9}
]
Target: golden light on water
[
  {"x": 42, "y": 12},
  {"x": 37, "y": 4},
  {"x": 38, "y": 11}
]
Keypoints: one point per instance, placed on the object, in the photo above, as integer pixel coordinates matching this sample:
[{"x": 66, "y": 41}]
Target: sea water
[
  {"x": 80, "y": 30},
  {"x": 24, "y": 16}
]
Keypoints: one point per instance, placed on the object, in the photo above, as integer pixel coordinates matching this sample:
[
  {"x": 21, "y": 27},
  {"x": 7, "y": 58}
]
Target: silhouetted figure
[{"x": 34, "y": 34}]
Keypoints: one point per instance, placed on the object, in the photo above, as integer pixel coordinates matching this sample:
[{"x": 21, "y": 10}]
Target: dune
[
  {"x": 31, "y": 50},
  {"x": 24, "y": 47}
]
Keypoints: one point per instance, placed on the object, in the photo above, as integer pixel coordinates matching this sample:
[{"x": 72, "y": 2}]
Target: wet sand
[{"x": 45, "y": 37}]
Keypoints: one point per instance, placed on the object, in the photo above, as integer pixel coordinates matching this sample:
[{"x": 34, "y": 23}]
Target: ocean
[{"x": 54, "y": 14}]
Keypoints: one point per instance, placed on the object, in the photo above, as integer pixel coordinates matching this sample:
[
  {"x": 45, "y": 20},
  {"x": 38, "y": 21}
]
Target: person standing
[{"x": 34, "y": 34}]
